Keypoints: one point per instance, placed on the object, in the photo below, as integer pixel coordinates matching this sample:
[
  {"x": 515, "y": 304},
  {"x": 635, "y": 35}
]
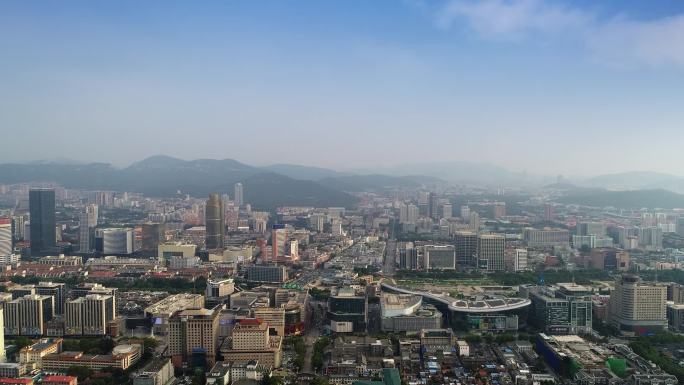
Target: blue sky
[{"x": 578, "y": 88}]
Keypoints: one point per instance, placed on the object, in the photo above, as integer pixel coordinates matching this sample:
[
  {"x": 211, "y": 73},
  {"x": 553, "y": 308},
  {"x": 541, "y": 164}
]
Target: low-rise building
[
  {"x": 60, "y": 380},
  {"x": 250, "y": 340},
  {"x": 161, "y": 311},
  {"x": 122, "y": 357},
  {"x": 61, "y": 260},
  {"x": 33, "y": 354},
  {"x": 157, "y": 372},
  {"x": 406, "y": 313},
  {"x": 12, "y": 370}
]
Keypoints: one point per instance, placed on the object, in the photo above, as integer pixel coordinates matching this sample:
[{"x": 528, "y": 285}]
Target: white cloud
[
  {"x": 629, "y": 43},
  {"x": 511, "y": 19},
  {"x": 617, "y": 41}
]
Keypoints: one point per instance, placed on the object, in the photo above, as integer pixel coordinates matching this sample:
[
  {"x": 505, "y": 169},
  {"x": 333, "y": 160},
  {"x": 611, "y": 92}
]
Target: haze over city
[
  {"x": 547, "y": 87},
  {"x": 341, "y": 192}
]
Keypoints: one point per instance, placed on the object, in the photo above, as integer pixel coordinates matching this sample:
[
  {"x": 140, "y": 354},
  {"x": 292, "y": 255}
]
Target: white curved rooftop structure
[
  {"x": 480, "y": 305},
  {"x": 394, "y": 305}
]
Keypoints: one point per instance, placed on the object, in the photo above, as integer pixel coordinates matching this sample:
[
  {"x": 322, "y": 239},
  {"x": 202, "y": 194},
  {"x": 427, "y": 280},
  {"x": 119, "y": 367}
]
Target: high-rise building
[
  {"x": 348, "y": 310},
  {"x": 93, "y": 214},
  {"x": 152, "y": 236},
  {"x": 3, "y": 358},
  {"x": 317, "y": 222},
  {"x": 499, "y": 210},
  {"x": 433, "y": 207},
  {"x": 465, "y": 213},
  {"x": 490, "y": 252},
  {"x": 424, "y": 201},
  {"x": 57, "y": 290},
  {"x": 215, "y": 223},
  {"x": 412, "y": 213},
  {"x": 675, "y": 293},
  {"x": 447, "y": 210},
  {"x": 114, "y": 241},
  {"x": 88, "y": 288},
  {"x": 274, "y": 317},
  {"x": 591, "y": 228},
  {"x": 267, "y": 273},
  {"x": 84, "y": 233},
  {"x": 87, "y": 222},
  {"x": 27, "y": 315},
  {"x": 466, "y": 248},
  {"x": 546, "y": 237},
  {"x": 193, "y": 334},
  {"x": 43, "y": 223},
  {"x": 520, "y": 260},
  {"x": 549, "y": 212},
  {"x": 251, "y": 341},
  {"x": 650, "y": 237},
  {"x": 218, "y": 291},
  {"x": 565, "y": 308},
  {"x": 403, "y": 213},
  {"x": 408, "y": 256},
  {"x": 638, "y": 307},
  {"x": 5, "y": 236},
  {"x": 439, "y": 257},
  {"x": 336, "y": 227},
  {"x": 239, "y": 197},
  {"x": 278, "y": 241},
  {"x": 89, "y": 315},
  {"x": 19, "y": 227},
  {"x": 293, "y": 249},
  {"x": 474, "y": 223}
]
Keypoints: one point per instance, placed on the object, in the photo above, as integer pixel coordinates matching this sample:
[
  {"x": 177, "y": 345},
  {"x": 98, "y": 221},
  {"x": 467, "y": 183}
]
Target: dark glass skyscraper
[
  {"x": 215, "y": 225},
  {"x": 42, "y": 210}
]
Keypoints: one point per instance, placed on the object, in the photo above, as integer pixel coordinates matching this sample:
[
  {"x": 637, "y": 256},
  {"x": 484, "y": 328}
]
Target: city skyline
[{"x": 573, "y": 88}]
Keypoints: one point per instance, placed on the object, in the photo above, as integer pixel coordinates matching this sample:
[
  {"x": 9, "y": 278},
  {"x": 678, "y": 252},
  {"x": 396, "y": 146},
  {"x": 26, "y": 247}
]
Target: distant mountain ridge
[
  {"x": 638, "y": 180},
  {"x": 632, "y": 199},
  {"x": 164, "y": 176},
  {"x": 305, "y": 172}
]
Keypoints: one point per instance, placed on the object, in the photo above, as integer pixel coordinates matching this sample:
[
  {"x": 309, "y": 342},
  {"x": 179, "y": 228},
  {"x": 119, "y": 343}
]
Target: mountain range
[
  {"x": 637, "y": 180},
  {"x": 165, "y": 176},
  {"x": 287, "y": 184},
  {"x": 626, "y": 199}
]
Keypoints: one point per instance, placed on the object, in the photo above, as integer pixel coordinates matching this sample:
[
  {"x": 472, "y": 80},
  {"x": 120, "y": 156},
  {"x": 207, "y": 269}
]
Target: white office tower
[
  {"x": 116, "y": 241},
  {"x": 3, "y": 358},
  {"x": 336, "y": 227},
  {"x": 5, "y": 237},
  {"x": 239, "y": 198},
  {"x": 403, "y": 213},
  {"x": 520, "y": 261},
  {"x": 317, "y": 222},
  {"x": 412, "y": 213},
  {"x": 447, "y": 210},
  {"x": 465, "y": 213},
  {"x": 93, "y": 214},
  {"x": 474, "y": 222}
]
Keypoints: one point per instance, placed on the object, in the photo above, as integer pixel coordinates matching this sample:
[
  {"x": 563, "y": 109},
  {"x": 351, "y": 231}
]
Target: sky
[{"x": 547, "y": 87}]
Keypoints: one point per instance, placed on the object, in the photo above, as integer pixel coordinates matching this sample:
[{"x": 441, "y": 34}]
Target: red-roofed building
[
  {"x": 93, "y": 274},
  {"x": 16, "y": 381},
  {"x": 250, "y": 321},
  {"x": 60, "y": 380}
]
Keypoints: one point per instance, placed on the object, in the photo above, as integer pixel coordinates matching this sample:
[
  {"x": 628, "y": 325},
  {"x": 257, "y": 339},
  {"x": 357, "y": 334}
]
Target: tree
[
  {"x": 81, "y": 372},
  {"x": 271, "y": 380},
  {"x": 21, "y": 342},
  {"x": 319, "y": 381}
]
